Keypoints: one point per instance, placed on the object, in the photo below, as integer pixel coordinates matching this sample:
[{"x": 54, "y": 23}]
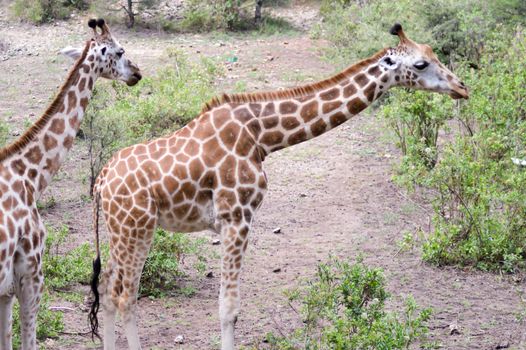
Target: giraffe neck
[
  {"x": 51, "y": 137},
  {"x": 290, "y": 121}
]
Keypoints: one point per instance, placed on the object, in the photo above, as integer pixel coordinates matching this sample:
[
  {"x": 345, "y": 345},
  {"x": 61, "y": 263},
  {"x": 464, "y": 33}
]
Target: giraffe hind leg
[
  {"x": 109, "y": 308},
  {"x": 122, "y": 286},
  {"x": 6, "y": 321}
]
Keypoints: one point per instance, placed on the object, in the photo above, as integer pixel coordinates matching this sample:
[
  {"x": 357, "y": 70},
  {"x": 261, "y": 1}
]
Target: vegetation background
[{"x": 458, "y": 164}]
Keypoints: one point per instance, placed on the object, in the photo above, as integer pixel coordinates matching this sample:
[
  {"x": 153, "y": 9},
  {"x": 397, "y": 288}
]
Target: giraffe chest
[{"x": 21, "y": 237}]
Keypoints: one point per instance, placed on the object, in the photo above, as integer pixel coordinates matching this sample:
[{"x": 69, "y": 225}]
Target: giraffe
[
  {"x": 209, "y": 174},
  {"x": 27, "y": 167}
]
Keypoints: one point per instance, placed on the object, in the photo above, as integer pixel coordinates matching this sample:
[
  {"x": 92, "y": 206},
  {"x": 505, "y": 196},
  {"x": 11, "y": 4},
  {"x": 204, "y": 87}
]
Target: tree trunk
[
  {"x": 257, "y": 16},
  {"x": 131, "y": 15}
]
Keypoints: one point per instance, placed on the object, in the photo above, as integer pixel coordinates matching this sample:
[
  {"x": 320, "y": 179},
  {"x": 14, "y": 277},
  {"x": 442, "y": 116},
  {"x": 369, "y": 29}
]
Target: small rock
[
  {"x": 303, "y": 195},
  {"x": 453, "y": 329},
  {"x": 216, "y": 242},
  {"x": 285, "y": 43},
  {"x": 210, "y": 274},
  {"x": 179, "y": 339},
  {"x": 277, "y": 269},
  {"x": 503, "y": 345},
  {"x": 276, "y": 230}
]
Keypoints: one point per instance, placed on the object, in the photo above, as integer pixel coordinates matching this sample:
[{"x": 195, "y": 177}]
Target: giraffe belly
[{"x": 194, "y": 218}]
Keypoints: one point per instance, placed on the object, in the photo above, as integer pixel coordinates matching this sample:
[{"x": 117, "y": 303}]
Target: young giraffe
[
  {"x": 209, "y": 174},
  {"x": 27, "y": 167}
]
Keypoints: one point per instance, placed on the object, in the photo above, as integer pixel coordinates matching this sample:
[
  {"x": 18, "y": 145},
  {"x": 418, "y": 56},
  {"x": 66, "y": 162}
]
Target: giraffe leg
[
  {"x": 234, "y": 237},
  {"x": 108, "y": 311},
  {"x": 129, "y": 318},
  {"x": 109, "y": 327},
  {"x": 123, "y": 284},
  {"x": 6, "y": 321},
  {"x": 29, "y": 295}
]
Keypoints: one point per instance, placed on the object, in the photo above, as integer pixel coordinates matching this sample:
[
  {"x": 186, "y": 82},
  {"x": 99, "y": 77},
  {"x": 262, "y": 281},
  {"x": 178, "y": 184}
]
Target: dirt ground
[{"x": 331, "y": 195}]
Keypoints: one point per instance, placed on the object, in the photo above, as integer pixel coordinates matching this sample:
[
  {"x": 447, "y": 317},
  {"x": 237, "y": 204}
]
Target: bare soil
[{"x": 330, "y": 196}]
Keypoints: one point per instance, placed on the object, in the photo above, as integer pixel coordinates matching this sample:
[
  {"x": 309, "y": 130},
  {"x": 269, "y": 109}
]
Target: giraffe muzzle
[{"x": 134, "y": 79}]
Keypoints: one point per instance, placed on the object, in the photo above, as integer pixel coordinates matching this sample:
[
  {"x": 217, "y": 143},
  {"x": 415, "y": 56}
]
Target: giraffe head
[
  {"x": 416, "y": 66},
  {"x": 106, "y": 56}
]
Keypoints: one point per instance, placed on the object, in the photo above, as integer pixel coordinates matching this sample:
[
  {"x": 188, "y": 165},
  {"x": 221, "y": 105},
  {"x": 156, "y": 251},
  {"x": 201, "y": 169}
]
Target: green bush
[
  {"x": 162, "y": 268},
  {"x": 480, "y": 198},
  {"x": 416, "y": 117},
  {"x": 41, "y": 11},
  {"x": 481, "y": 203},
  {"x": 238, "y": 15},
  {"x": 62, "y": 270},
  {"x": 457, "y": 30},
  {"x": 205, "y": 16},
  {"x": 343, "y": 308},
  {"x": 49, "y": 323},
  {"x": 357, "y": 32}
]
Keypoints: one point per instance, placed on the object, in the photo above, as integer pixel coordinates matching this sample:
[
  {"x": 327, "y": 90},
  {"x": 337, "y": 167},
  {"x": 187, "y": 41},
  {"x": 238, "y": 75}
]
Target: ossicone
[
  {"x": 395, "y": 29},
  {"x": 100, "y": 23},
  {"x": 92, "y": 23}
]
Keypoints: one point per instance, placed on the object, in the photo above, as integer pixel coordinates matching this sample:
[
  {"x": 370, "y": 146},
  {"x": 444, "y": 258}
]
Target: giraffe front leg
[
  {"x": 29, "y": 295},
  {"x": 234, "y": 238},
  {"x": 6, "y": 321}
]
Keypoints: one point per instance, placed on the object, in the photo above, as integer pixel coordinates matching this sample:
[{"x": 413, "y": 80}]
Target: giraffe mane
[
  {"x": 52, "y": 109},
  {"x": 294, "y": 92}
]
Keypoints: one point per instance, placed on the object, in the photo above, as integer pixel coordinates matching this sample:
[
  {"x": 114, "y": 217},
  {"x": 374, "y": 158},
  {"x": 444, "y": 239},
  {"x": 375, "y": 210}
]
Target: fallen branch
[{"x": 60, "y": 308}]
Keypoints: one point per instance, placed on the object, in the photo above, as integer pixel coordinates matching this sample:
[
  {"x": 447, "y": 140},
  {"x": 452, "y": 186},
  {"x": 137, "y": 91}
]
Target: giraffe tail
[{"x": 93, "y": 320}]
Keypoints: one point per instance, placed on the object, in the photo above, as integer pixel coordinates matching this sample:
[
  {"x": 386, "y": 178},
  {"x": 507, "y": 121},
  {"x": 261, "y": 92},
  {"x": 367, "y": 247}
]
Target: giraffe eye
[
  {"x": 421, "y": 65},
  {"x": 120, "y": 53}
]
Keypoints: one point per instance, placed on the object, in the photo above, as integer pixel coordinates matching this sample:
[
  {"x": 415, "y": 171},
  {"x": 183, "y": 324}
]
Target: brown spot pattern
[
  {"x": 287, "y": 107},
  {"x": 369, "y": 91},
  {"x": 330, "y": 95},
  {"x": 356, "y": 105},
  {"x": 361, "y": 79},
  {"x": 309, "y": 111}
]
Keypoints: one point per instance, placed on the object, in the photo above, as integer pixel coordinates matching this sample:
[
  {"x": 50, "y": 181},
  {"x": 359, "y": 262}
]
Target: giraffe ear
[
  {"x": 389, "y": 62},
  {"x": 72, "y": 52}
]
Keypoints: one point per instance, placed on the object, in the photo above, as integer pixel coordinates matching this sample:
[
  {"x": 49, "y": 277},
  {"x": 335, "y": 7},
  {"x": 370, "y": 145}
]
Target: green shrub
[
  {"x": 49, "y": 323},
  {"x": 481, "y": 203},
  {"x": 41, "y": 11},
  {"x": 416, "y": 117},
  {"x": 357, "y": 32},
  {"x": 162, "y": 268},
  {"x": 343, "y": 308},
  {"x": 480, "y": 198},
  {"x": 204, "y": 16},
  {"x": 457, "y": 30},
  {"x": 62, "y": 270},
  {"x": 238, "y": 15}
]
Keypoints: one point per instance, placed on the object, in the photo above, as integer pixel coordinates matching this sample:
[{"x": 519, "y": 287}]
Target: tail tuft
[{"x": 93, "y": 320}]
